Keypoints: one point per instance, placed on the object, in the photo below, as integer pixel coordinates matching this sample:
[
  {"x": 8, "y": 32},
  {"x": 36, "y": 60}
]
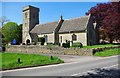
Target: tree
[
  {"x": 99, "y": 12},
  {"x": 111, "y": 22},
  {"x": 10, "y": 31},
  {"x": 3, "y": 19},
  {"x": 107, "y": 15},
  {"x": 112, "y": 27},
  {"x": 20, "y": 33},
  {"x": 103, "y": 35}
]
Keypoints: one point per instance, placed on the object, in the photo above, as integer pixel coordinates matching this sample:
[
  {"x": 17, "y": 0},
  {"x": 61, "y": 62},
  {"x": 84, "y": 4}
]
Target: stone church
[{"x": 82, "y": 29}]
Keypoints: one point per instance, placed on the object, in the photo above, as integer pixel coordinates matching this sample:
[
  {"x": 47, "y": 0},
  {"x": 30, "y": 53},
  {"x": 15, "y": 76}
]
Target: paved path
[
  {"x": 76, "y": 68},
  {"x": 73, "y": 58}
]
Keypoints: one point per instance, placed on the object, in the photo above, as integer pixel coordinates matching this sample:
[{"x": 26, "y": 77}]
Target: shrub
[
  {"x": 23, "y": 43},
  {"x": 50, "y": 44},
  {"x": 66, "y": 45},
  {"x": 78, "y": 44},
  {"x": 33, "y": 43},
  {"x": 42, "y": 40},
  {"x": 81, "y": 45},
  {"x": 3, "y": 46}
]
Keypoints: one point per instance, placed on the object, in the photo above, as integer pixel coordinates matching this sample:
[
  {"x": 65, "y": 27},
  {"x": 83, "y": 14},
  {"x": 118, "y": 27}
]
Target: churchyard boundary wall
[{"x": 37, "y": 49}]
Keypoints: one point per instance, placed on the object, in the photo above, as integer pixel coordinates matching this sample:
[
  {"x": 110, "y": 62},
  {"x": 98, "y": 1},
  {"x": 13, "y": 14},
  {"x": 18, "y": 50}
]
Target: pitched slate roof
[
  {"x": 44, "y": 28},
  {"x": 76, "y": 24}
]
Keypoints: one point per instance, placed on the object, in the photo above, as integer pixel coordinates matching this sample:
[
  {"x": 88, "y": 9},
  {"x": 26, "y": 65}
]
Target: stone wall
[{"x": 37, "y": 49}]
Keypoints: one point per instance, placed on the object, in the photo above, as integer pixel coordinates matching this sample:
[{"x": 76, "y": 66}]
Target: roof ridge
[
  {"x": 46, "y": 23},
  {"x": 76, "y": 18}
]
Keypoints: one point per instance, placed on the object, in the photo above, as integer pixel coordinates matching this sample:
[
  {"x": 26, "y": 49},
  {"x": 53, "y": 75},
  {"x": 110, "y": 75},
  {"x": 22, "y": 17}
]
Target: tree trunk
[{"x": 111, "y": 40}]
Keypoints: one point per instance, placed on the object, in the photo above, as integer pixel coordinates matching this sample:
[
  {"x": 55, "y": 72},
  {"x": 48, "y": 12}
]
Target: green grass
[
  {"x": 109, "y": 52},
  {"x": 99, "y": 46},
  {"x": 51, "y": 45},
  {"x": 10, "y": 60},
  {"x": 77, "y": 45}
]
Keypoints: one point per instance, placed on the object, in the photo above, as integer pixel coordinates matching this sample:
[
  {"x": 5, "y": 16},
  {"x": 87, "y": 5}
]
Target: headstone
[
  {"x": 45, "y": 43},
  {"x": 71, "y": 43},
  {"x": 9, "y": 43}
]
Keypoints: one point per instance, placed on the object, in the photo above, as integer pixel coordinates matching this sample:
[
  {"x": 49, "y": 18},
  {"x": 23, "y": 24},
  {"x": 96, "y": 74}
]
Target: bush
[
  {"x": 23, "y": 44},
  {"x": 33, "y": 43},
  {"x": 50, "y": 44},
  {"x": 3, "y": 44},
  {"x": 66, "y": 45},
  {"x": 81, "y": 45},
  {"x": 42, "y": 40},
  {"x": 77, "y": 45}
]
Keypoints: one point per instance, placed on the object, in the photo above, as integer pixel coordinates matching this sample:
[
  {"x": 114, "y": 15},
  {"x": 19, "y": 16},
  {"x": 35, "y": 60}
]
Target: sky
[
  {"x": 57, "y": 0},
  {"x": 49, "y": 11}
]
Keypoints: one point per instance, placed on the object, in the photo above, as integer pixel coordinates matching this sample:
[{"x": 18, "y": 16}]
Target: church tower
[{"x": 30, "y": 19}]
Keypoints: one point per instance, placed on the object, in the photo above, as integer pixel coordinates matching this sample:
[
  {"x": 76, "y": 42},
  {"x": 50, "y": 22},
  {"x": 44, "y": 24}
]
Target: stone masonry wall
[{"x": 37, "y": 49}]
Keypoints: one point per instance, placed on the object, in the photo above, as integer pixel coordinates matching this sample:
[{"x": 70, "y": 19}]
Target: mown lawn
[
  {"x": 99, "y": 46},
  {"x": 77, "y": 45},
  {"x": 10, "y": 60},
  {"x": 109, "y": 52}
]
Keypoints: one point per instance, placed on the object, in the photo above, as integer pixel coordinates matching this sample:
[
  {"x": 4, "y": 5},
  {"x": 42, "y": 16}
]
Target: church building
[{"x": 82, "y": 29}]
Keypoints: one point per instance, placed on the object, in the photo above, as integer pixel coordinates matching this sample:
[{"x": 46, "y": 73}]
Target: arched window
[
  {"x": 27, "y": 41},
  {"x": 74, "y": 37},
  {"x": 61, "y": 39},
  {"x": 46, "y": 38}
]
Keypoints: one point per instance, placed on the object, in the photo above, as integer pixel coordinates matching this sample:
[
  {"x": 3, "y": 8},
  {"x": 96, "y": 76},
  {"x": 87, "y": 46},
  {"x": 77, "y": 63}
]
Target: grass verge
[
  {"x": 99, "y": 46},
  {"x": 77, "y": 45},
  {"x": 109, "y": 52},
  {"x": 10, "y": 60}
]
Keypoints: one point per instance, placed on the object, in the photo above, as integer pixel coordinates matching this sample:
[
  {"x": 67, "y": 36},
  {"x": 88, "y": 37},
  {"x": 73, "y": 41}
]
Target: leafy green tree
[
  {"x": 10, "y": 31},
  {"x": 20, "y": 33}
]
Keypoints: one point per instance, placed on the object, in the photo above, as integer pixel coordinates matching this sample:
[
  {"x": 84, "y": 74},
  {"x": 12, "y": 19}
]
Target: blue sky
[{"x": 49, "y": 11}]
